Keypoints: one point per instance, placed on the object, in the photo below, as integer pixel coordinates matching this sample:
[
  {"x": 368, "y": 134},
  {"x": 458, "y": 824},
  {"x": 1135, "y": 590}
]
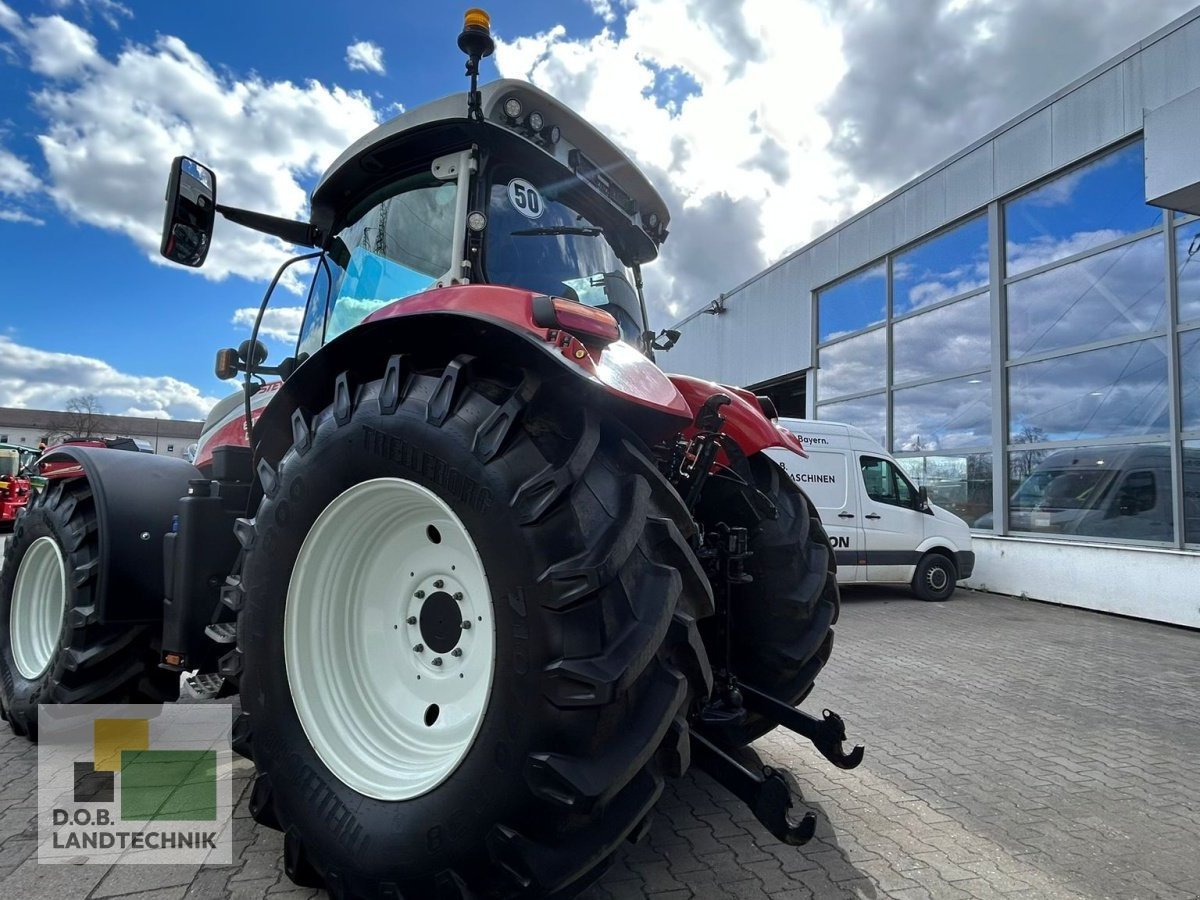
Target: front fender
[
  {"x": 440, "y": 328},
  {"x": 136, "y": 497},
  {"x": 744, "y": 419}
]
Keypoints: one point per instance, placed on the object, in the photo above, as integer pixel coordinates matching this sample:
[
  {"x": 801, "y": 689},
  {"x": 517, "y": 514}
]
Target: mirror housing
[
  {"x": 923, "y": 499},
  {"x": 190, "y": 214}
]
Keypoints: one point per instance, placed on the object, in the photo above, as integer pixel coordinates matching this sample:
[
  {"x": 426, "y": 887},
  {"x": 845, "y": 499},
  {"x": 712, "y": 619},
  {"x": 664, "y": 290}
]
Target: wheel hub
[{"x": 440, "y": 622}]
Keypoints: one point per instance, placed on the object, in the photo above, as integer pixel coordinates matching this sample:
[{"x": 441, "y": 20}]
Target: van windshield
[{"x": 1062, "y": 489}]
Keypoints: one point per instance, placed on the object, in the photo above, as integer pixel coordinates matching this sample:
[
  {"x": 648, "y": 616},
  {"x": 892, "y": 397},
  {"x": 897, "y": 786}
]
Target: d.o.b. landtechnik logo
[{"x": 134, "y": 783}]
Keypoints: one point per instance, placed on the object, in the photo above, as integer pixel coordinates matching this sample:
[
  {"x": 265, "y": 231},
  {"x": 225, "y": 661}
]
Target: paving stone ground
[{"x": 1014, "y": 750}]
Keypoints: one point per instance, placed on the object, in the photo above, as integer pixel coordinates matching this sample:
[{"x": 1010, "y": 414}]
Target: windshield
[
  {"x": 399, "y": 246},
  {"x": 536, "y": 242},
  {"x": 1061, "y": 489}
]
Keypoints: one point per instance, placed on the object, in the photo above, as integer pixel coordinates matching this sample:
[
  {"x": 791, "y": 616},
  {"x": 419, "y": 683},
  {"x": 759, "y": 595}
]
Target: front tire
[
  {"x": 52, "y": 648},
  {"x": 782, "y": 620},
  {"x": 935, "y": 578},
  {"x": 584, "y": 603}
]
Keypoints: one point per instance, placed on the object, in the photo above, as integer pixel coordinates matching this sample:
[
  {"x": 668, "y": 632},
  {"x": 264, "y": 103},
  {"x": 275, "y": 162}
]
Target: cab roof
[{"x": 577, "y": 133}]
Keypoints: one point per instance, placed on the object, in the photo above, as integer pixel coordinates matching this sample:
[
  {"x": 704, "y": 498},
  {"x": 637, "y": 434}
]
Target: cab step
[{"x": 203, "y": 685}]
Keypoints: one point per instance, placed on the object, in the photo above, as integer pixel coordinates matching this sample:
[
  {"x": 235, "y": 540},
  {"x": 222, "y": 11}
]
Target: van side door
[{"x": 893, "y": 525}]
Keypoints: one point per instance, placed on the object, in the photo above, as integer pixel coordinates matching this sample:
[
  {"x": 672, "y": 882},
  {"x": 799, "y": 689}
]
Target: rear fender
[
  {"x": 136, "y": 497},
  {"x": 616, "y": 377},
  {"x": 744, "y": 419}
]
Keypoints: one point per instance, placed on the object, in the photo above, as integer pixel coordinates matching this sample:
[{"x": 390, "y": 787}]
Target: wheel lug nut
[
  {"x": 439, "y": 584},
  {"x": 466, "y": 625},
  {"x": 420, "y": 595},
  {"x": 457, "y": 651},
  {"x": 418, "y": 648},
  {"x": 458, "y": 596},
  {"x": 437, "y": 660},
  {"x": 412, "y": 620}
]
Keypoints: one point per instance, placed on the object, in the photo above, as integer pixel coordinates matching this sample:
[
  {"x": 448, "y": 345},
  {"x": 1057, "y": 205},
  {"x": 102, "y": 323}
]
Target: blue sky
[
  {"x": 76, "y": 288},
  {"x": 748, "y": 129}
]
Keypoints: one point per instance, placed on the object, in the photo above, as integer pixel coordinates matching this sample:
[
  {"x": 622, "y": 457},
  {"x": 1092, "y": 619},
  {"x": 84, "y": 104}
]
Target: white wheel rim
[
  {"x": 388, "y": 720},
  {"x": 38, "y": 603}
]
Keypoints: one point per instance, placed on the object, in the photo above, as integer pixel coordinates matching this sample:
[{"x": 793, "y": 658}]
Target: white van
[{"x": 883, "y": 528}]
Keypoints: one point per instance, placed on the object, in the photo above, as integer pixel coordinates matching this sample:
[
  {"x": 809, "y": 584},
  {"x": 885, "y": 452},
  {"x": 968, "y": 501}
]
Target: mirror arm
[{"x": 301, "y": 233}]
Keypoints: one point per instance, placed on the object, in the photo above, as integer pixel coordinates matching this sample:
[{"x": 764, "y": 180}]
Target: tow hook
[{"x": 768, "y": 793}]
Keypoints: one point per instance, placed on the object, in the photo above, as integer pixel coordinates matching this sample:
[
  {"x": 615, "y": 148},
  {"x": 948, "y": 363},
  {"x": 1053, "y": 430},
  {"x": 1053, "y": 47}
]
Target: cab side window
[
  {"x": 1137, "y": 495},
  {"x": 312, "y": 328},
  {"x": 885, "y": 483}
]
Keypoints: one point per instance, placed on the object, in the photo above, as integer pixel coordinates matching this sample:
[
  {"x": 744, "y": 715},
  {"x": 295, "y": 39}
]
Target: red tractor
[
  {"x": 14, "y": 483},
  {"x": 483, "y": 575}
]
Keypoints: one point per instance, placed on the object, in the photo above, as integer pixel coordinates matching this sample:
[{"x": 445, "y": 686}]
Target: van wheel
[{"x": 935, "y": 578}]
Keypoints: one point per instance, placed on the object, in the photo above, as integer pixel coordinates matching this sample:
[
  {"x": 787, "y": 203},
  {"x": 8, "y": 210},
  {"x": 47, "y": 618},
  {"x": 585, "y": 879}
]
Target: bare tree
[{"x": 83, "y": 418}]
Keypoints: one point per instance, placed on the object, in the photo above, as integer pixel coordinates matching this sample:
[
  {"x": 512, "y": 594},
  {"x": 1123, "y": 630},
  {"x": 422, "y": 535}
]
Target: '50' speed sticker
[{"x": 525, "y": 198}]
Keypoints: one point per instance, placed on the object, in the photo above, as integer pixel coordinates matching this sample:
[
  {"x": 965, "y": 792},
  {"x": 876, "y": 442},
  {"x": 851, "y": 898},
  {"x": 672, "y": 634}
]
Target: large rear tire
[
  {"x": 782, "y": 621},
  {"x": 570, "y": 546},
  {"x": 52, "y": 648}
]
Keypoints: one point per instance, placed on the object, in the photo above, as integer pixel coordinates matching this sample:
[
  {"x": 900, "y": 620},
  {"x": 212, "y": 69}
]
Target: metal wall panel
[
  {"x": 969, "y": 182},
  {"x": 854, "y": 245},
  {"x": 1170, "y": 67},
  {"x": 1091, "y": 116},
  {"x": 1023, "y": 153},
  {"x": 924, "y": 206},
  {"x": 1131, "y": 92},
  {"x": 824, "y": 258},
  {"x": 884, "y": 226}
]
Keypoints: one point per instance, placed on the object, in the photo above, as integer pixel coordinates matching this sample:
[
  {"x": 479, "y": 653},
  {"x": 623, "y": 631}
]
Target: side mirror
[
  {"x": 922, "y": 499},
  {"x": 672, "y": 337},
  {"x": 191, "y": 211}
]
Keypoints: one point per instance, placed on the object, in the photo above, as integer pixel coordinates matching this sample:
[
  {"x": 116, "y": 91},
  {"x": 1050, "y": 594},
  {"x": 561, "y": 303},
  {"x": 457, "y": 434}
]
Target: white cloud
[
  {"x": 279, "y": 322},
  {"x": 58, "y": 48},
  {"x": 113, "y": 127},
  {"x": 603, "y": 9},
  {"x": 365, "y": 56},
  {"x": 16, "y": 177},
  {"x": 33, "y": 378},
  {"x": 109, "y": 10},
  {"x": 790, "y": 129},
  {"x": 724, "y": 155},
  {"x": 16, "y": 215}
]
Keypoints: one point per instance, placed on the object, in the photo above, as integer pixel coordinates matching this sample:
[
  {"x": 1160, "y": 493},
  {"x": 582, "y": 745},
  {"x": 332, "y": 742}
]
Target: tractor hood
[{"x": 443, "y": 124}]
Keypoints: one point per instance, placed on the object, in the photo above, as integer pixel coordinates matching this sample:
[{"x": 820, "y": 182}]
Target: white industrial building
[
  {"x": 1031, "y": 306},
  {"x": 30, "y": 427}
]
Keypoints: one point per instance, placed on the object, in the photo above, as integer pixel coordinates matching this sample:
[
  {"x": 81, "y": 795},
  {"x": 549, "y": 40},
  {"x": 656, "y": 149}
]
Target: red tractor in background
[
  {"x": 15, "y": 485},
  {"x": 483, "y": 574}
]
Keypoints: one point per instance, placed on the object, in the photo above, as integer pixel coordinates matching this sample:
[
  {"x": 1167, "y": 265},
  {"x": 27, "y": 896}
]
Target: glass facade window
[
  {"x": 959, "y": 483},
  {"x": 1112, "y": 392},
  {"x": 1189, "y": 380},
  {"x": 1187, "y": 270},
  {"x": 1121, "y": 491},
  {"x": 1191, "y": 491},
  {"x": 1086, "y": 439},
  {"x": 868, "y": 413},
  {"x": 1121, "y": 291},
  {"x": 944, "y": 415},
  {"x": 1089, "y": 206},
  {"x": 944, "y": 341},
  {"x": 854, "y": 304},
  {"x": 853, "y": 366},
  {"x": 950, "y": 264}
]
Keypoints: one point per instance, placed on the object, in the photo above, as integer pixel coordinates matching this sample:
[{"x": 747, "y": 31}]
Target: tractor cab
[
  {"x": 503, "y": 185},
  {"x": 530, "y": 196}
]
